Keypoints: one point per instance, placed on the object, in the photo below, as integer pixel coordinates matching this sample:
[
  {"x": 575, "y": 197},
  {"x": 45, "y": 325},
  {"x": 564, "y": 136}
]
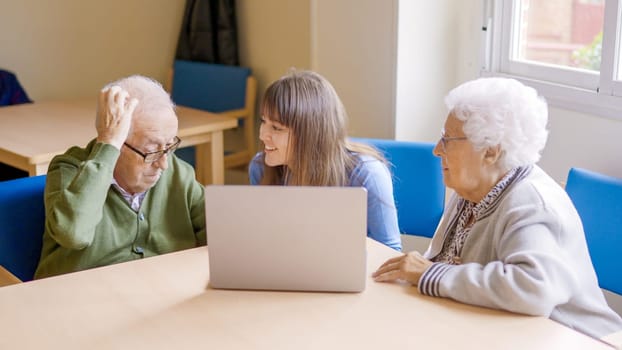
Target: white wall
[
  {"x": 354, "y": 47},
  {"x": 71, "y": 48},
  {"x": 431, "y": 35},
  {"x": 582, "y": 140},
  {"x": 274, "y": 36}
]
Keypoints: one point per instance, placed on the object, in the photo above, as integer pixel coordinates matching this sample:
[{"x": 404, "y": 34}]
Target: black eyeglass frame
[{"x": 151, "y": 157}]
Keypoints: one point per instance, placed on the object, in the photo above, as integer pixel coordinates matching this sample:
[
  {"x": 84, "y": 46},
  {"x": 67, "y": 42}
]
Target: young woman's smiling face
[{"x": 276, "y": 140}]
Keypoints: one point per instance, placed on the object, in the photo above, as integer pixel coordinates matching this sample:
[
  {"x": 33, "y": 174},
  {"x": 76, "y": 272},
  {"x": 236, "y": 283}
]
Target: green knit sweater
[{"x": 89, "y": 224}]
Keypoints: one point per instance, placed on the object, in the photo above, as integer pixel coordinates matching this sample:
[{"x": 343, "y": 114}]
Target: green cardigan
[{"x": 89, "y": 224}]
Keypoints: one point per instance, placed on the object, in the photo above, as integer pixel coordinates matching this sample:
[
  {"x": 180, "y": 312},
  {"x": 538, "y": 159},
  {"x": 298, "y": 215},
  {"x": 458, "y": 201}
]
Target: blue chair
[
  {"x": 418, "y": 185},
  {"x": 219, "y": 89},
  {"x": 11, "y": 93},
  {"x": 22, "y": 219},
  {"x": 598, "y": 199}
]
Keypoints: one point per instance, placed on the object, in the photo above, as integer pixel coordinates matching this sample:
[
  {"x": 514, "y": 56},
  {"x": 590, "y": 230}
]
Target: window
[{"x": 567, "y": 49}]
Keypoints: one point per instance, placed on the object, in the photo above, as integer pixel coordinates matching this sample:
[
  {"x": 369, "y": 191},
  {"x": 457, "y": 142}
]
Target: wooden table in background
[
  {"x": 32, "y": 134},
  {"x": 165, "y": 302}
]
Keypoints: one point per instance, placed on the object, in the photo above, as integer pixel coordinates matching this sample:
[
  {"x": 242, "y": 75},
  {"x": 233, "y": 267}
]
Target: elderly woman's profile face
[{"x": 464, "y": 168}]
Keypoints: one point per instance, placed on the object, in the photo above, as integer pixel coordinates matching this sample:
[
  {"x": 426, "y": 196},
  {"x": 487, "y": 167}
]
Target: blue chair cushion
[
  {"x": 187, "y": 154},
  {"x": 22, "y": 219},
  {"x": 210, "y": 87},
  {"x": 418, "y": 185},
  {"x": 11, "y": 91},
  {"x": 598, "y": 199}
]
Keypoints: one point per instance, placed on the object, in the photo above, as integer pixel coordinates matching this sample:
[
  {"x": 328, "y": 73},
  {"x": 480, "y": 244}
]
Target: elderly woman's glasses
[
  {"x": 444, "y": 139},
  {"x": 151, "y": 157}
]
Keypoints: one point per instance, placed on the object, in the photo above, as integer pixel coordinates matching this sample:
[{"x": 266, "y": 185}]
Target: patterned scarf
[{"x": 469, "y": 213}]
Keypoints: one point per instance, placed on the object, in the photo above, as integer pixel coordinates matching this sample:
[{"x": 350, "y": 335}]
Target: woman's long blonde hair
[{"x": 321, "y": 155}]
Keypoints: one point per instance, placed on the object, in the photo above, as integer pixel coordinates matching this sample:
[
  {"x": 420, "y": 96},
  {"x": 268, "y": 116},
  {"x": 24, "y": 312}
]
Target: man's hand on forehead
[{"x": 114, "y": 115}]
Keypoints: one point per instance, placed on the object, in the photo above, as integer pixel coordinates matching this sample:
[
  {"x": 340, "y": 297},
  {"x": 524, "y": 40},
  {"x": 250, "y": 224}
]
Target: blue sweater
[{"x": 375, "y": 177}]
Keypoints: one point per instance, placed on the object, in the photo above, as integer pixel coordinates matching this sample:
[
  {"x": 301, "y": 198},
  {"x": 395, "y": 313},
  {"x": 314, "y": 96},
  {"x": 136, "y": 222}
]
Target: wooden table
[
  {"x": 164, "y": 302},
  {"x": 32, "y": 134}
]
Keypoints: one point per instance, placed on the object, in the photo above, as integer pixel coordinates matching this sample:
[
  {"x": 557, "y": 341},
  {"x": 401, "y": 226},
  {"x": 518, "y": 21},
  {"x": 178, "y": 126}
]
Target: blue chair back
[
  {"x": 22, "y": 219},
  {"x": 598, "y": 199},
  {"x": 211, "y": 87},
  {"x": 418, "y": 185},
  {"x": 11, "y": 91},
  {"x": 217, "y": 88}
]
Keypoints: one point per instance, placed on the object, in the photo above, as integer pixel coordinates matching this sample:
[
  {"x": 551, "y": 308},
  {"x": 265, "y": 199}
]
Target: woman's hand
[
  {"x": 114, "y": 116},
  {"x": 408, "y": 267}
]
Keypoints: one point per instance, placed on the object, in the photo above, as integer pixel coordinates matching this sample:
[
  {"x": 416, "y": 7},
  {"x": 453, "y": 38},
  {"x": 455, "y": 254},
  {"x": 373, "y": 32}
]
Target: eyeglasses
[
  {"x": 151, "y": 157},
  {"x": 444, "y": 139}
]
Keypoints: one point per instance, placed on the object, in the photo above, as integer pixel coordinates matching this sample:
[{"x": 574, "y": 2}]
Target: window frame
[{"x": 574, "y": 89}]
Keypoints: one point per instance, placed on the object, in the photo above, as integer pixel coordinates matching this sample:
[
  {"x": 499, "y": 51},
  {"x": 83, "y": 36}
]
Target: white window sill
[{"x": 571, "y": 98}]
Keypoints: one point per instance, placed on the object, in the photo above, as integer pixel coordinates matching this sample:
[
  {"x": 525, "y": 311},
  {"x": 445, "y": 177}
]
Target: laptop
[{"x": 287, "y": 237}]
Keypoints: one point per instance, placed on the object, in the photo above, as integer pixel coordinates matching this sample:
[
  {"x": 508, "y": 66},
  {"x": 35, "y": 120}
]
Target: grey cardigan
[{"x": 527, "y": 254}]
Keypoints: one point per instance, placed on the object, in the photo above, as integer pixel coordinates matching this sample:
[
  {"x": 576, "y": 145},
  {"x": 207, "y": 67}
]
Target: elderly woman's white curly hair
[{"x": 504, "y": 112}]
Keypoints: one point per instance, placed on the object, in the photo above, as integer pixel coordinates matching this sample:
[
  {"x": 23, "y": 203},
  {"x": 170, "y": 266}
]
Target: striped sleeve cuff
[{"x": 431, "y": 278}]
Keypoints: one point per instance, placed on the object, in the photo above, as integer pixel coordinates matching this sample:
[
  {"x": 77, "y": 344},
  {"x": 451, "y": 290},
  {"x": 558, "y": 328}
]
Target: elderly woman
[{"x": 510, "y": 238}]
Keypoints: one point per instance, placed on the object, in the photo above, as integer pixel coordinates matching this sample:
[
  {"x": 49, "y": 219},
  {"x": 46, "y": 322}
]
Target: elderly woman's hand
[
  {"x": 408, "y": 267},
  {"x": 114, "y": 115}
]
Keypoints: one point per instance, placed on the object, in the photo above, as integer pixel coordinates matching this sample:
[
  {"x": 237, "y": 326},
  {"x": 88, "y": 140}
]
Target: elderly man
[{"x": 125, "y": 195}]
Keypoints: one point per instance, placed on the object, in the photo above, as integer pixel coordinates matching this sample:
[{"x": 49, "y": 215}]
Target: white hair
[
  {"x": 149, "y": 92},
  {"x": 502, "y": 112}
]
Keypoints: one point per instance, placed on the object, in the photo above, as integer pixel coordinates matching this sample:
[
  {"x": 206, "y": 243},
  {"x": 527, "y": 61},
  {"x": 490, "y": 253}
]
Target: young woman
[{"x": 303, "y": 129}]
